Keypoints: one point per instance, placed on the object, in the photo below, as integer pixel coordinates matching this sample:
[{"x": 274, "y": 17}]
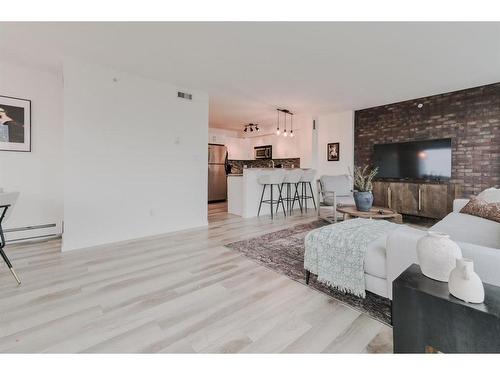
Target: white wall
[
  {"x": 331, "y": 128},
  {"x": 135, "y": 157},
  {"x": 37, "y": 175},
  {"x": 238, "y": 148}
]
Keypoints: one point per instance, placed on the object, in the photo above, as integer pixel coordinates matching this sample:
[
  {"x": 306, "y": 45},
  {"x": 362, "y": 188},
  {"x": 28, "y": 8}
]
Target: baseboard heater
[{"x": 30, "y": 236}]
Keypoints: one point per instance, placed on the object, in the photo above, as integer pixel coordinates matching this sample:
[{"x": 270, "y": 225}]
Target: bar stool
[
  {"x": 292, "y": 178},
  {"x": 305, "y": 182},
  {"x": 273, "y": 179}
]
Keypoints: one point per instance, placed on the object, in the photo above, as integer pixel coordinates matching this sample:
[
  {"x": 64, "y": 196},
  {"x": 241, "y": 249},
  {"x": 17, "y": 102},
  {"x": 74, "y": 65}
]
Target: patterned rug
[{"x": 283, "y": 251}]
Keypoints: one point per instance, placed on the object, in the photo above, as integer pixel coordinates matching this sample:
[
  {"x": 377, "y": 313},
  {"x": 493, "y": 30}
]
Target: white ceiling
[{"x": 249, "y": 69}]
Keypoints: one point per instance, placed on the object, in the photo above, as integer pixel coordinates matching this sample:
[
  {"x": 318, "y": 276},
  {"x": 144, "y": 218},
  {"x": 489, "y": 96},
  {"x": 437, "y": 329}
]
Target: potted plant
[{"x": 363, "y": 196}]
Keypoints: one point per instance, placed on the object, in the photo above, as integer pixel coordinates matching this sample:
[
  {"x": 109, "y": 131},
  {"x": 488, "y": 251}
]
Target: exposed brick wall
[{"x": 470, "y": 117}]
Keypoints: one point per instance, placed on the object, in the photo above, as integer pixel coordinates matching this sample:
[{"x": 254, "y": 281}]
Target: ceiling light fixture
[
  {"x": 251, "y": 127},
  {"x": 284, "y": 131},
  {"x": 285, "y": 112},
  {"x": 278, "y": 129}
]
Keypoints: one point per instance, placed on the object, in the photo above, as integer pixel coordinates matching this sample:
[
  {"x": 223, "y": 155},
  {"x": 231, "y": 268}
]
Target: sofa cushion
[
  {"x": 375, "y": 263},
  {"x": 473, "y": 229},
  {"x": 480, "y": 207},
  {"x": 490, "y": 195}
]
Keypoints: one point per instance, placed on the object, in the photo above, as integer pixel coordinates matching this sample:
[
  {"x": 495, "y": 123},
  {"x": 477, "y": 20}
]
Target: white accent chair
[{"x": 334, "y": 191}]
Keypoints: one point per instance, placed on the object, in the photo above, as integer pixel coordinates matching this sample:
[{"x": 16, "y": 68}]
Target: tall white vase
[
  {"x": 465, "y": 284},
  {"x": 437, "y": 255}
]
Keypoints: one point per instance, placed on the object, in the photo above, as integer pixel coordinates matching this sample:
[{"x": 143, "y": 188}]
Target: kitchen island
[{"x": 244, "y": 192}]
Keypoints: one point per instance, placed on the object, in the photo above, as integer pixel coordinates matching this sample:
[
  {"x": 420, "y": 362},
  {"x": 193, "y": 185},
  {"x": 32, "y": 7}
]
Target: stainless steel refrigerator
[{"x": 217, "y": 179}]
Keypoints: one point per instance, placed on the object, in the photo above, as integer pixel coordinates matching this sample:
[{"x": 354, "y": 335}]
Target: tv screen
[{"x": 419, "y": 160}]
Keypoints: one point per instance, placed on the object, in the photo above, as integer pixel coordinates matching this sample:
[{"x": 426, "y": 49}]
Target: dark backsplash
[
  {"x": 470, "y": 117},
  {"x": 237, "y": 165}
]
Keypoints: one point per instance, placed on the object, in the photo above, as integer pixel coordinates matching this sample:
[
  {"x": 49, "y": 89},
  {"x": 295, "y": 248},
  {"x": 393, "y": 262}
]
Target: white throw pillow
[{"x": 490, "y": 195}]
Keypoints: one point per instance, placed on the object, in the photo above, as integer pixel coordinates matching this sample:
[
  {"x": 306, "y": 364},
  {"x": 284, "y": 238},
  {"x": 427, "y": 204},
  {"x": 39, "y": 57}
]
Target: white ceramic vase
[
  {"x": 465, "y": 284},
  {"x": 437, "y": 255}
]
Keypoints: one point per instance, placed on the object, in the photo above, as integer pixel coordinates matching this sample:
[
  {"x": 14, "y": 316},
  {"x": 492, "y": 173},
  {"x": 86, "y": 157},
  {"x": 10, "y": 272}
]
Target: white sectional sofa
[{"x": 389, "y": 256}]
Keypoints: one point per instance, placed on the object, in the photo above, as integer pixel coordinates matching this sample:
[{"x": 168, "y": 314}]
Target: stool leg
[
  {"x": 296, "y": 196},
  {"x": 312, "y": 195},
  {"x": 280, "y": 188},
  {"x": 304, "y": 192},
  {"x": 288, "y": 203},
  {"x": 280, "y": 197},
  {"x": 7, "y": 261},
  {"x": 261, "y": 197},
  {"x": 272, "y": 201}
]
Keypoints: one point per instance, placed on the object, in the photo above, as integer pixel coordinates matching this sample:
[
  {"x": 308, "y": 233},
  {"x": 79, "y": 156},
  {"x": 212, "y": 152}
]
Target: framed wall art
[
  {"x": 333, "y": 151},
  {"x": 15, "y": 124}
]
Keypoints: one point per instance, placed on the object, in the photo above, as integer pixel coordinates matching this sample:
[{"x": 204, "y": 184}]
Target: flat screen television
[{"x": 418, "y": 160}]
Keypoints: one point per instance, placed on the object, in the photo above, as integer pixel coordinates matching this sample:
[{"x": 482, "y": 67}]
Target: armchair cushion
[{"x": 343, "y": 200}]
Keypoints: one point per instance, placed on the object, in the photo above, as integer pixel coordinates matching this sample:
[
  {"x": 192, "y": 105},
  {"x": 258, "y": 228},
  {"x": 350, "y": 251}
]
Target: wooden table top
[{"x": 374, "y": 213}]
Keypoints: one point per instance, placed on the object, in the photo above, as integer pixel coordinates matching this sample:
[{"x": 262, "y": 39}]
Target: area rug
[{"x": 283, "y": 251}]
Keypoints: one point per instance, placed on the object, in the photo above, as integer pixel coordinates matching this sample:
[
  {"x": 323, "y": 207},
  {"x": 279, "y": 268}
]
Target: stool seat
[
  {"x": 272, "y": 179},
  {"x": 293, "y": 176},
  {"x": 308, "y": 175}
]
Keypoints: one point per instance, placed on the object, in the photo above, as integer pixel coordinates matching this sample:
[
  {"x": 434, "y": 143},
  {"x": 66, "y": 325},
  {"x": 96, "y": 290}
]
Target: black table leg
[
  {"x": 308, "y": 275},
  {"x": 2, "y": 244},
  {"x": 4, "y": 256}
]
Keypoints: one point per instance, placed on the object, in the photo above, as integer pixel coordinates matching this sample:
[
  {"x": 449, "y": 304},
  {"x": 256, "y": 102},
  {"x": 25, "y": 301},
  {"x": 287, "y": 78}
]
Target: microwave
[{"x": 263, "y": 152}]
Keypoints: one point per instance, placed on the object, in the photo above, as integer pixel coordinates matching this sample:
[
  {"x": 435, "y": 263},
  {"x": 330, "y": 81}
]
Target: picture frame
[
  {"x": 333, "y": 151},
  {"x": 15, "y": 124}
]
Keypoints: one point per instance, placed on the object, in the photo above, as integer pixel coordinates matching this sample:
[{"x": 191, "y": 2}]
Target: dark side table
[{"x": 426, "y": 318}]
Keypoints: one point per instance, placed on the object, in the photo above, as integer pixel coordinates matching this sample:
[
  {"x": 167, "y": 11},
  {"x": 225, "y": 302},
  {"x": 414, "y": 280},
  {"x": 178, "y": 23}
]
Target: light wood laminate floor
[{"x": 181, "y": 292}]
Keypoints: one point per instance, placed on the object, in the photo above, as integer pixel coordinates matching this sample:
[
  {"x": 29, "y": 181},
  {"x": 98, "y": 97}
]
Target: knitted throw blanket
[{"x": 336, "y": 253}]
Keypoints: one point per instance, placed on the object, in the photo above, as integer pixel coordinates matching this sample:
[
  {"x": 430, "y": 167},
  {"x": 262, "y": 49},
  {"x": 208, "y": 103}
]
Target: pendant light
[
  {"x": 278, "y": 128},
  {"x": 284, "y": 131},
  {"x": 291, "y": 125}
]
